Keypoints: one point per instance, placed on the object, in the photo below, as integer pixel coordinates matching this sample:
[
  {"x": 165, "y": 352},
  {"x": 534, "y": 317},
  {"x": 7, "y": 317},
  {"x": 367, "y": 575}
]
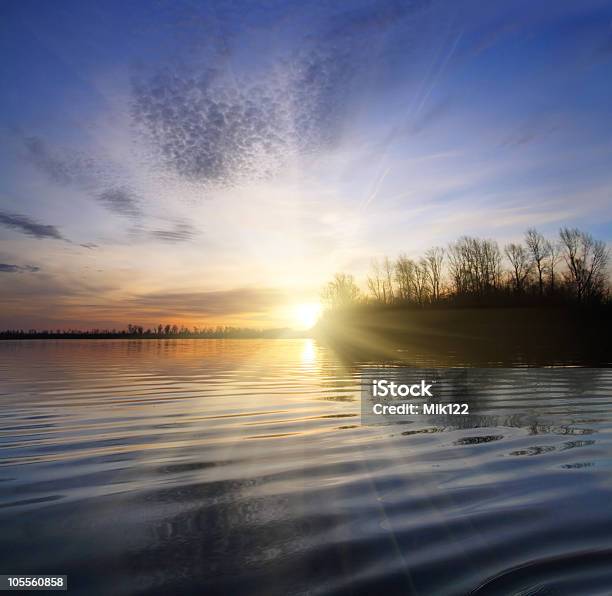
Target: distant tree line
[
  {"x": 139, "y": 332},
  {"x": 475, "y": 271}
]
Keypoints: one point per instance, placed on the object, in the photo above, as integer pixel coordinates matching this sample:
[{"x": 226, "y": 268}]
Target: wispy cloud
[
  {"x": 96, "y": 175},
  {"x": 181, "y": 232},
  {"x": 121, "y": 201},
  {"x": 59, "y": 170},
  {"x": 219, "y": 303},
  {"x": 377, "y": 17},
  {"x": 29, "y": 226},
  {"x": 6, "y": 268},
  {"x": 67, "y": 167}
]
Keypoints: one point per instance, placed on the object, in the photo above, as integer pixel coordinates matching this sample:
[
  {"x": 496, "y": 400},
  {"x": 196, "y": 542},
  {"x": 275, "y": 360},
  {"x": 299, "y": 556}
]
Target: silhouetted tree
[
  {"x": 404, "y": 278},
  {"x": 420, "y": 279},
  {"x": 586, "y": 261},
  {"x": 434, "y": 260},
  {"x": 341, "y": 291},
  {"x": 539, "y": 250},
  {"x": 474, "y": 266},
  {"x": 380, "y": 281},
  {"x": 521, "y": 265},
  {"x": 555, "y": 251}
]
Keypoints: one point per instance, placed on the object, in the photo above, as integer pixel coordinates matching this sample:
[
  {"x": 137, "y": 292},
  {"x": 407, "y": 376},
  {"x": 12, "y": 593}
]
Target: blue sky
[{"x": 220, "y": 161}]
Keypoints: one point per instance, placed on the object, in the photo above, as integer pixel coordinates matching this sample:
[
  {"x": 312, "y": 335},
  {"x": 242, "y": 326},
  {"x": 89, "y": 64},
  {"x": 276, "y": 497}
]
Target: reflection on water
[{"x": 226, "y": 467}]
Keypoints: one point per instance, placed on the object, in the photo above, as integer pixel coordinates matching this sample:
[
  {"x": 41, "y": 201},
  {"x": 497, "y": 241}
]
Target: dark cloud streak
[
  {"x": 120, "y": 201},
  {"x": 28, "y": 226},
  {"x": 181, "y": 232},
  {"x": 6, "y": 268}
]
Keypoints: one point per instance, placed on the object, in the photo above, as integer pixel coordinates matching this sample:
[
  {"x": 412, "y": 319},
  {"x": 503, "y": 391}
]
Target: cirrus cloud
[{"x": 28, "y": 226}]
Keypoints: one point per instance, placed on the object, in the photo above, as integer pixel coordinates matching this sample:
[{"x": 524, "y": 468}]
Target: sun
[{"x": 306, "y": 314}]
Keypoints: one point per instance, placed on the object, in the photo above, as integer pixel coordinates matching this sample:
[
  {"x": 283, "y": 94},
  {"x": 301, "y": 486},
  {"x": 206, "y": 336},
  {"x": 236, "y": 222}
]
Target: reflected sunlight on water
[{"x": 240, "y": 466}]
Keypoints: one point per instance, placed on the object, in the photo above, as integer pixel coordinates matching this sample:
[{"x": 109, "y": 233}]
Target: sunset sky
[{"x": 217, "y": 162}]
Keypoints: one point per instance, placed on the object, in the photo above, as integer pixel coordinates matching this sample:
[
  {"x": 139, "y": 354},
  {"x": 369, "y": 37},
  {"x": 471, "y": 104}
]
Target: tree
[
  {"x": 380, "y": 281},
  {"x": 404, "y": 278},
  {"x": 555, "y": 251},
  {"x": 341, "y": 291},
  {"x": 521, "y": 265},
  {"x": 586, "y": 261},
  {"x": 433, "y": 262},
  {"x": 539, "y": 250},
  {"x": 388, "y": 271},
  {"x": 474, "y": 266},
  {"x": 420, "y": 282}
]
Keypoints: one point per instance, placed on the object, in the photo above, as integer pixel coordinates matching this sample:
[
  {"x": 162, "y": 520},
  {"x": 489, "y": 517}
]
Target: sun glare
[{"x": 306, "y": 314}]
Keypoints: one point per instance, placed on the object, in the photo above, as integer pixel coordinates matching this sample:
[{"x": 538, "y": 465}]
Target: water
[{"x": 241, "y": 467}]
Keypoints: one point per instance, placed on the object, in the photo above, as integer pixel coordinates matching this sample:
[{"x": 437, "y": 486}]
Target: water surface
[{"x": 227, "y": 467}]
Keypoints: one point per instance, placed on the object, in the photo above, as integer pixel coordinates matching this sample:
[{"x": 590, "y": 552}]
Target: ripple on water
[{"x": 196, "y": 466}]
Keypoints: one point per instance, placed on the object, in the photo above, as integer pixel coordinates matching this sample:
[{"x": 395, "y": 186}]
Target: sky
[{"x": 207, "y": 163}]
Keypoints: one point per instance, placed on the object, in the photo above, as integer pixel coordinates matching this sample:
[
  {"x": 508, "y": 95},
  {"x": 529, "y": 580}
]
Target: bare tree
[
  {"x": 459, "y": 267},
  {"x": 586, "y": 261},
  {"x": 420, "y": 282},
  {"x": 388, "y": 268},
  {"x": 538, "y": 247},
  {"x": 341, "y": 291},
  {"x": 555, "y": 254},
  {"x": 433, "y": 262},
  {"x": 380, "y": 281},
  {"x": 377, "y": 284},
  {"x": 404, "y": 278},
  {"x": 474, "y": 266},
  {"x": 521, "y": 264}
]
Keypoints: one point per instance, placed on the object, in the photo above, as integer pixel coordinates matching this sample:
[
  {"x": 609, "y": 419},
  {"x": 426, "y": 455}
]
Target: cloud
[
  {"x": 120, "y": 201},
  {"x": 224, "y": 120},
  {"x": 494, "y": 34},
  {"x": 94, "y": 174},
  {"x": 179, "y": 233},
  {"x": 431, "y": 116},
  {"x": 218, "y": 128},
  {"x": 38, "y": 153},
  {"x": 217, "y": 303},
  {"x": 6, "y": 268},
  {"x": 534, "y": 128},
  {"x": 67, "y": 168},
  {"x": 28, "y": 226},
  {"x": 375, "y": 18},
  {"x": 209, "y": 133}
]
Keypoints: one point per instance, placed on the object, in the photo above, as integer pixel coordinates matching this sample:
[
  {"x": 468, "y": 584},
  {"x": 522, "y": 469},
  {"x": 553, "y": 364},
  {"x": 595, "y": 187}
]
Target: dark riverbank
[
  {"x": 531, "y": 335},
  {"x": 135, "y": 332}
]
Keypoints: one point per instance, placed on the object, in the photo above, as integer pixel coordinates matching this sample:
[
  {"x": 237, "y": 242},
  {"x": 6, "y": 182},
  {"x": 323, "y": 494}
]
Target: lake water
[{"x": 241, "y": 467}]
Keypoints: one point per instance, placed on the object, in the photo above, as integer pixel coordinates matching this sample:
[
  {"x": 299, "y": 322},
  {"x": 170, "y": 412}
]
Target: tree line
[
  {"x": 139, "y": 332},
  {"x": 572, "y": 268}
]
